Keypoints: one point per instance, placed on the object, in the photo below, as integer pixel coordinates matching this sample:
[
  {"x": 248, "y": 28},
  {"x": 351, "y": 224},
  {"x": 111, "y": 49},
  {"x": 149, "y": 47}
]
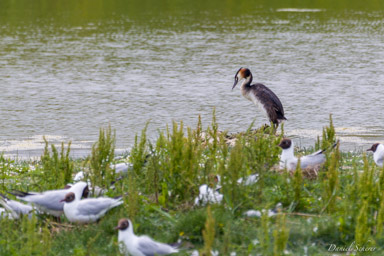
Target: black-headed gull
[
  {"x": 119, "y": 168},
  {"x": 250, "y": 180},
  {"x": 89, "y": 209},
  {"x": 269, "y": 212},
  {"x": 130, "y": 244},
  {"x": 79, "y": 176},
  {"x": 208, "y": 195},
  {"x": 14, "y": 207},
  {"x": 49, "y": 201},
  {"x": 378, "y": 153},
  {"x": 289, "y": 161}
]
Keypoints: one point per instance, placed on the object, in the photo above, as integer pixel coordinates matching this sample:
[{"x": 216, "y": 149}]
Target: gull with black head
[
  {"x": 378, "y": 153},
  {"x": 87, "y": 210},
  {"x": 289, "y": 161},
  {"x": 49, "y": 201},
  {"x": 261, "y": 96},
  {"x": 130, "y": 244}
]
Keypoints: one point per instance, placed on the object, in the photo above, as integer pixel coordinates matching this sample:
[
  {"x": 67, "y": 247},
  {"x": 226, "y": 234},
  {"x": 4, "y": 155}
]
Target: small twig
[
  {"x": 303, "y": 214},
  {"x": 60, "y": 225}
]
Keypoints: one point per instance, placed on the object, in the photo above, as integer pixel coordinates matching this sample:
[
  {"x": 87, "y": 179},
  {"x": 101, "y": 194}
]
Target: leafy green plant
[
  {"x": 30, "y": 238},
  {"x": 57, "y": 168},
  {"x": 208, "y": 233},
  {"x": 264, "y": 236},
  {"x": 297, "y": 185},
  {"x": 280, "y": 235},
  {"x": 331, "y": 183},
  {"x": 103, "y": 151},
  {"x": 139, "y": 151}
]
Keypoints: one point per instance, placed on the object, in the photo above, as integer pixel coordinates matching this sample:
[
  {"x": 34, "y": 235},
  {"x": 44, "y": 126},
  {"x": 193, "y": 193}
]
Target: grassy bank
[{"x": 342, "y": 204}]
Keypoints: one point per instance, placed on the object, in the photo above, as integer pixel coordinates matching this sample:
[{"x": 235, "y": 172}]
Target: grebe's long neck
[
  {"x": 247, "y": 82},
  {"x": 246, "y": 88}
]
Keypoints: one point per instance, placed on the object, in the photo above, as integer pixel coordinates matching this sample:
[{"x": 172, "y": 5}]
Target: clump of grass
[
  {"x": 297, "y": 185},
  {"x": 381, "y": 180},
  {"x": 173, "y": 167},
  {"x": 132, "y": 198},
  {"x": 103, "y": 151},
  {"x": 331, "y": 183},
  {"x": 234, "y": 170},
  {"x": 362, "y": 233},
  {"x": 57, "y": 168},
  {"x": 208, "y": 233},
  {"x": 328, "y": 136},
  {"x": 5, "y": 166},
  {"x": 264, "y": 236},
  {"x": 262, "y": 154},
  {"x": 380, "y": 218},
  {"x": 367, "y": 185},
  {"x": 280, "y": 235},
  {"x": 29, "y": 238},
  {"x": 139, "y": 151},
  {"x": 153, "y": 175}
]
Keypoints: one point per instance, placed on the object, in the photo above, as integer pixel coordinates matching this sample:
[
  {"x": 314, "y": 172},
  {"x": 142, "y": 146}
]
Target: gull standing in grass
[
  {"x": 119, "y": 168},
  {"x": 378, "y": 153},
  {"x": 50, "y": 201},
  {"x": 250, "y": 180},
  {"x": 208, "y": 195},
  {"x": 130, "y": 244},
  {"x": 289, "y": 161},
  {"x": 87, "y": 210},
  {"x": 213, "y": 196}
]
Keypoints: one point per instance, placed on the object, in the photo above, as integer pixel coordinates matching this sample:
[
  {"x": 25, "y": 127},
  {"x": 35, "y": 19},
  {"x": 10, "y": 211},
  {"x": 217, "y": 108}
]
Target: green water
[{"x": 69, "y": 67}]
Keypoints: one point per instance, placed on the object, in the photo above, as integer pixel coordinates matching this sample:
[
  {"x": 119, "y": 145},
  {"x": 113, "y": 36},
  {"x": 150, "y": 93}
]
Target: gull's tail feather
[
  {"x": 335, "y": 144},
  {"x": 19, "y": 193},
  {"x": 176, "y": 245},
  {"x": 332, "y": 147}
]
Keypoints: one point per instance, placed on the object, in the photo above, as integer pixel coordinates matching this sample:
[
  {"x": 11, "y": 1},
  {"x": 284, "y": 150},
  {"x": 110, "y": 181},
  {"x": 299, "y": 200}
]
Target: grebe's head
[{"x": 241, "y": 74}]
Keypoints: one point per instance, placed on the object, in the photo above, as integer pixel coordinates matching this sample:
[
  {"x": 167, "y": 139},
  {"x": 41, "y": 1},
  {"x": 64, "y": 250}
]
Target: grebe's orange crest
[
  {"x": 243, "y": 73},
  {"x": 240, "y": 74}
]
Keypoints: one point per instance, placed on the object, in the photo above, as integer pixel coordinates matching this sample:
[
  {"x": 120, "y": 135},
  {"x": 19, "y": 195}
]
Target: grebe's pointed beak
[{"x": 236, "y": 81}]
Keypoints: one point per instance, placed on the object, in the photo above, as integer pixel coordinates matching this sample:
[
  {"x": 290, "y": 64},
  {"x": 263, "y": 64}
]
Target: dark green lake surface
[{"x": 70, "y": 67}]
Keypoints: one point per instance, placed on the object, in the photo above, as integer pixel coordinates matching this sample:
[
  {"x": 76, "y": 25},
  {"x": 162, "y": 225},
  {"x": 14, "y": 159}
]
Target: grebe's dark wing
[{"x": 270, "y": 101}]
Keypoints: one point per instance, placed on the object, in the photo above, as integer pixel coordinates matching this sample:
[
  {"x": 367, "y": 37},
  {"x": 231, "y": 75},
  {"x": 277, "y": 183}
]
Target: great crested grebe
[{"x": 260, "y": 95}]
